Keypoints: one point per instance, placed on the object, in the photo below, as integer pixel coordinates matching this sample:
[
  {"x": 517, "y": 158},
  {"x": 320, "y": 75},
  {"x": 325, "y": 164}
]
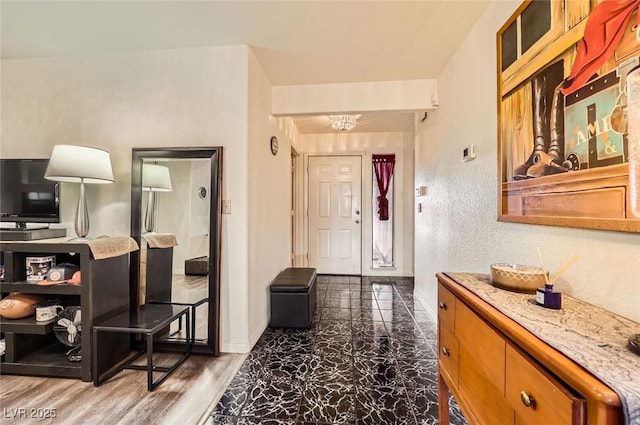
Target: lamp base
[{"x": 80, "y": 239}]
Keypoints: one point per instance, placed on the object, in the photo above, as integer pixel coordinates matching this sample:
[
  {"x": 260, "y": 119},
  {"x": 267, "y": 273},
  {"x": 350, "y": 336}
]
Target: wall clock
[{"x": 274, "y": 145}]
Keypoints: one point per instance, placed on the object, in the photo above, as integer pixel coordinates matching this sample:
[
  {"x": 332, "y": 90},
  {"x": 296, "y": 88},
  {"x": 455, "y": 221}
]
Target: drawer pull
[
  {"x": 446, "y": 351},
  {"x": 527, "y": 399},
  {"x": 442, "y": 305}
]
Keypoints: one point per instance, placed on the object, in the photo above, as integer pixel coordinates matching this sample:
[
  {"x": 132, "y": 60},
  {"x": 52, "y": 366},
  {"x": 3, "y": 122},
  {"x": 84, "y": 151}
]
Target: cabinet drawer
[
  {"x": 536, "y": 396},
  {"x": 448, "y": 353},
  {"x": 484, "y": 345},
  {"x": 484, "y": 399},
  {"x": 446, "y": 307}
]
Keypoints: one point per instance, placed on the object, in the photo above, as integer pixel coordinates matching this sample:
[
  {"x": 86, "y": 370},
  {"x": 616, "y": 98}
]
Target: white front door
[{"x": 335, "y": 214}]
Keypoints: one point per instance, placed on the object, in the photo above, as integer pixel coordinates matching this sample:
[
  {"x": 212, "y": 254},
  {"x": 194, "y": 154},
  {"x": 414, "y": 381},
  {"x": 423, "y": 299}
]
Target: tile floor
[{"x": 370, "y": 359}]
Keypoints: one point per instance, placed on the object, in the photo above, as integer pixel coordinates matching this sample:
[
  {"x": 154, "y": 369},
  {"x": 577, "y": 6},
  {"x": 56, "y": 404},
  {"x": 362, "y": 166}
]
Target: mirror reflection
[
  {"x": 175, "y": 206},
  {"x": 176, "y": 219}
]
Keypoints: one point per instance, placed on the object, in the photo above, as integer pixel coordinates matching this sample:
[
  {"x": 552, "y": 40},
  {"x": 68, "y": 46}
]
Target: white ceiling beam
[{"x": 376, "y": 96}]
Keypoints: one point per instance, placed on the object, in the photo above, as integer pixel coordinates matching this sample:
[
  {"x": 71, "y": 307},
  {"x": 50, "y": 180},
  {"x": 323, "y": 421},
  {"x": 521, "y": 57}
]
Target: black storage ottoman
[
  {"x": 198, "y": 266},
  {"x": 293, "y": 298}
]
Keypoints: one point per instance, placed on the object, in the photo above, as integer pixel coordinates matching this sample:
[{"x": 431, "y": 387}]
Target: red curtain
[{"x": 383, "y": 165}]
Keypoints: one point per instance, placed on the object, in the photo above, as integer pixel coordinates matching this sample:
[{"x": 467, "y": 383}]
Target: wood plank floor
[{"x": 184, "y": 398}]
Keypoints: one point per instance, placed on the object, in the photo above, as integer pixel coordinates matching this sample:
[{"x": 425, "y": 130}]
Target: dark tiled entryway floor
[{"x": 370, "y": 359}]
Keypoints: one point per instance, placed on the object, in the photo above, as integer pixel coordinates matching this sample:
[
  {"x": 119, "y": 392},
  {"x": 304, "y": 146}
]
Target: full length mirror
[{"x": 175, "y": 218}]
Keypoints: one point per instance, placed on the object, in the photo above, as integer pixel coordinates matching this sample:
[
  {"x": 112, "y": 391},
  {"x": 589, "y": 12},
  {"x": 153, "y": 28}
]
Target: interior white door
[{"x": 335, "y": 214}]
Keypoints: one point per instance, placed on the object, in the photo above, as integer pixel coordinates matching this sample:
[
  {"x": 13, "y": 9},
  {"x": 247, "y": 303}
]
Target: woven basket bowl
[{"x": 517, "y": 277}]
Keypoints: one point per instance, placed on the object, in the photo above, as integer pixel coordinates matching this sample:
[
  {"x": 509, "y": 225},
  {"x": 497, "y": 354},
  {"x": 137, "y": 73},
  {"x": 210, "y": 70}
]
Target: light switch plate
[{"x": 226, "y": 206}]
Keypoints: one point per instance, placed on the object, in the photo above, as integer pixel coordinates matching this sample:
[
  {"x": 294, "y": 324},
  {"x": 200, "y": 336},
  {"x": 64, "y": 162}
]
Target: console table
[
  {"x": 31, "y": 346},
  {"x": 507, "y": 360}
]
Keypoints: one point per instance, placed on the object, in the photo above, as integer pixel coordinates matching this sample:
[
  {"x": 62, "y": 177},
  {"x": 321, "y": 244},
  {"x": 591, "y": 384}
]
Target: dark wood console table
[{"x": 31, "y": 346}]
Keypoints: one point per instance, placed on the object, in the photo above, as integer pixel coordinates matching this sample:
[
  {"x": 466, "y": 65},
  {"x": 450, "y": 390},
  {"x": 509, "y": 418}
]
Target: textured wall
[
  {"x": 458, "y": 231},
  {"x": 269, "y": 199}
]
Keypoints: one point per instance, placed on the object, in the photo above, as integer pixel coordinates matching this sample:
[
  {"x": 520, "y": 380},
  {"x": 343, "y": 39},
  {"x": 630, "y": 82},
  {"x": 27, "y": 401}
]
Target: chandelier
[{"x": 343, "y": 122}]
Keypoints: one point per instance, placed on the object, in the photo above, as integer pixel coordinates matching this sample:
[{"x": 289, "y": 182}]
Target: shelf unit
[{"x": 31, "y": 347}]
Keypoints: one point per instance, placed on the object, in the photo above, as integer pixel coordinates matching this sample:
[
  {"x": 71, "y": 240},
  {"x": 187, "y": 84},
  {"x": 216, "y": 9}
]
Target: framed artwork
[{"x": 563, "y": 143}]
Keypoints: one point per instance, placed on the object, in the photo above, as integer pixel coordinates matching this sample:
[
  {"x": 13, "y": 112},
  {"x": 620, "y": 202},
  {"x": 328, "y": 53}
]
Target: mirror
[{"x": 175, "y": 218}]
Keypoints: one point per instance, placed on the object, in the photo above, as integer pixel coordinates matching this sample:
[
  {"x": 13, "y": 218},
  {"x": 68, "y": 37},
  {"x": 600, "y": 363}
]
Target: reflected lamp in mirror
[
  {"x": 155, "y": 178},
  {"x": 80, "y": 164}
]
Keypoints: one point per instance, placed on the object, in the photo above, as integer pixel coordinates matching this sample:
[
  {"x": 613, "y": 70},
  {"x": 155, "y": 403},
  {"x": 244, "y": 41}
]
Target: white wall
[
  {"x": 174, "y": 210},
  {"x": 400, "y": 144},
  {"x": 199, "y": 231},
  {"x": 269, "y": 198},
  {"x": 164, "y": 98},
  {"x": 182, "y": 212},
  {"x": 458, "y": 231}
]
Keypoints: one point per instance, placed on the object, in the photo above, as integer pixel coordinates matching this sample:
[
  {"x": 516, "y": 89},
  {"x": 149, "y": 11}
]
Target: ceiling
[{"x": 296, "y": 42}]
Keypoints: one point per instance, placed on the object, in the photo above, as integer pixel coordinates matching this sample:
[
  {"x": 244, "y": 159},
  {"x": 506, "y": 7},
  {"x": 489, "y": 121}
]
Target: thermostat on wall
[{"x": 469, "y": 152}]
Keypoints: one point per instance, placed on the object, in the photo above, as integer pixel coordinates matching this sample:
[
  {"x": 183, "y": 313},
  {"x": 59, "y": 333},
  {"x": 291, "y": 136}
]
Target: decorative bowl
[{"x": 517, "y": 277}]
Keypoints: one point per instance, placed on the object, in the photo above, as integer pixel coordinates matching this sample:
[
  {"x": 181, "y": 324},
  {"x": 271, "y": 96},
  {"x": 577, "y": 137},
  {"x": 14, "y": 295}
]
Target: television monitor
[{"x": 25, "y": 195}]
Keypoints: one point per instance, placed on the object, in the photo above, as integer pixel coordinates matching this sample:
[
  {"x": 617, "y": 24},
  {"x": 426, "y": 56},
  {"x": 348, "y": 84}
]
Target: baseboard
[
  {"x": 420, "y": 298},
  {"x": 255, "y": 336},
  {"x": 235, "y": 347}
]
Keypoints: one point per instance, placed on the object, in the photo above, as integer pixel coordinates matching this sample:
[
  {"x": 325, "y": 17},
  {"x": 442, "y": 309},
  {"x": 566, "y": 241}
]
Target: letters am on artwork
[{"x": 563, "y": 142}]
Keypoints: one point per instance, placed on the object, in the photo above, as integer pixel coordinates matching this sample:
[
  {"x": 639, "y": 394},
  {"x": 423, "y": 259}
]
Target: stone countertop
[{"x": 594, "y": 338}]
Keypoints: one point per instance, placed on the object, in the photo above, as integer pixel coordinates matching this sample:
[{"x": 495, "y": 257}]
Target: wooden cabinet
[
  {"x": 500, "y": 373},
  {"x": 31, "y": 347},
  {"x": 536, "y": 396}
]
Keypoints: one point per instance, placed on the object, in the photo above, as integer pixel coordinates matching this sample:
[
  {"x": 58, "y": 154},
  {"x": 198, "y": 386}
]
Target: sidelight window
[{"x": 382, "y": 210}]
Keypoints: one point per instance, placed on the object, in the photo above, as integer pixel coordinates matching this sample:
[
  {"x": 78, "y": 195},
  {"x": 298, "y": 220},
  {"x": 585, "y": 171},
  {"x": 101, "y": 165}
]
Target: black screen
[{"x": 25, "y": 195}]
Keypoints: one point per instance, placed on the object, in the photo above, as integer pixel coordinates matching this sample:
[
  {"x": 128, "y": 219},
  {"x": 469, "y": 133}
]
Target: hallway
[{"x": 370, "y": 360}]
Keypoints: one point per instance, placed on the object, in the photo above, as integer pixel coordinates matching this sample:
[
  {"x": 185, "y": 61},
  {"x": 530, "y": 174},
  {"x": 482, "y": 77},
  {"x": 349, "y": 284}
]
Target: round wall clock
[{"x": 274, "y": 145}]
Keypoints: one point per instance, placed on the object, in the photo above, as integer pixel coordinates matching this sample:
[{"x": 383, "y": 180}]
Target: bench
[{"x": 293, "y": 298}]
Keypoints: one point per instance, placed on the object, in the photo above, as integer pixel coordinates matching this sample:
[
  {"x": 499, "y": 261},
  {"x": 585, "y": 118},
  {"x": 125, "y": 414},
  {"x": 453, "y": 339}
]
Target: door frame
[
  {"x": 297, "y": 248},
  {"x": 305, "y": 197}
]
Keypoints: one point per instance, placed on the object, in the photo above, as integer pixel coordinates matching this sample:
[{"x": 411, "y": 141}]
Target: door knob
[
  {"x": 442, "y": 305},
  {"x": 446, "y": 351},
  {"x": 357, "y": 221},
  {"x": 357, "y": 212}
]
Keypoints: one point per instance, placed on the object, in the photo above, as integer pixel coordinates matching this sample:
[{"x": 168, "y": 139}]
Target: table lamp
[
  {"x": 80, "y": 164},
  {"x": 155, "y": 178}
]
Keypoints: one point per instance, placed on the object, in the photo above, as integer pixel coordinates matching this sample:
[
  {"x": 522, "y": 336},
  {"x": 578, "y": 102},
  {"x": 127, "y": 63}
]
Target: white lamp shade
[
  {"x": 156, "y": 178},
  {"x": 74, "y": 164}
]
